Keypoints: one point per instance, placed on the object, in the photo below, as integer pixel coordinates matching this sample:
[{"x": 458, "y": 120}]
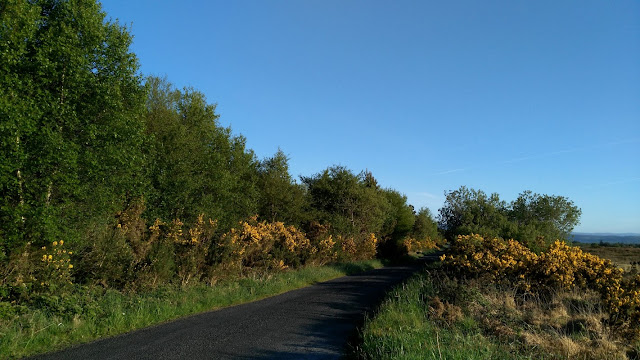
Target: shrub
[
  {"x": 358, "y": 248},
  {"x": 33, "y": 273},
  {"x": 412, "y": 244},
  {"x": 559, "y": 267},
  {"x": 263, "y": 245}
]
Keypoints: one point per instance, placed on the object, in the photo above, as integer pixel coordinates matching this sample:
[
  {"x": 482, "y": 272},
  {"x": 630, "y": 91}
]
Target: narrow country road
[{"x": 309, "y": 323}]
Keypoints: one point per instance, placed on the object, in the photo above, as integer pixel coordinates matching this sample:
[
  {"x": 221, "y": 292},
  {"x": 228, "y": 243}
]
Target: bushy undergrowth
[
  {"x": 55, "y": 283},
  {"x": 491, "y": 298},
  {"x": 560, "y": 267},
  {"x": 423, "y": 319},
  {"x": 83, "y": 313},
  {"x": 438, "y": 316}
]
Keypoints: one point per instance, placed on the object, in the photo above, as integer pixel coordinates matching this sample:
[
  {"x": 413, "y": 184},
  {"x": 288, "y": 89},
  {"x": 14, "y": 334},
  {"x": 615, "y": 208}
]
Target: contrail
[
  {"x": 625, "y": 181},
  {"x": 538, "y": 156},
  {"x": 543, "y": 155},
  {"x": 450, "y": 171}
]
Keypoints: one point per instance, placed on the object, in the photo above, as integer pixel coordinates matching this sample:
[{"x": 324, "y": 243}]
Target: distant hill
[{"x": 606, "y": 238}]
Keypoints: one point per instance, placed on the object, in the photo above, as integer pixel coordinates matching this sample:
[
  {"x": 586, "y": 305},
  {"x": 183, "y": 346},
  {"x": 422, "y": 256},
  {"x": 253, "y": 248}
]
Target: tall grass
[
  {"x": 434, "y": 316},
  {"x": 402, "y": 329},
  {"x": 110, "y": 312}
]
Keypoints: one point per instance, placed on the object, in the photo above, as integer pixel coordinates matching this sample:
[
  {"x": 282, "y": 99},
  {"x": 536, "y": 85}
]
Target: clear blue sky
[{"x": 501, "y": 96}]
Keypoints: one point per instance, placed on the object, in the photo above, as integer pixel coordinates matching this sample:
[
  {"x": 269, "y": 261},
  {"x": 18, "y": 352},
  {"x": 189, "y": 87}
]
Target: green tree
[
  {"x": 544, "y": 217},
  {"x": 533, "y": 219},
  {"x": 281, "y": 198},
  {"x": 70, "y": 106},
  {"x": 195, "y": 165},
  {"x": 468, "y": 211},
  {"x": 425, "y": 226},
  {"x": 398, "y": 223},
  {"x": 349, "y": 202}
]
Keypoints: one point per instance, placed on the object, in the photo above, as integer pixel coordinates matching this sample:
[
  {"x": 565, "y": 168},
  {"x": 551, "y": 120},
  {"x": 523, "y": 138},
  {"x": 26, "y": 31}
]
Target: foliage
[
  {"x": 543, "y": 216},
  {"x": 468, "y": 211},
  {"x": 281, "y": 198},
  {"x": 436, "y": 316},
  {"x": 71, "y": 135},
  {"x": 559, "y": 267},
  {"x": 398, "y": 223},
  {"x": 414, "y": 245},
  {"x": 424, "y": 225},
  {"x": 195, "y": 165},
  {"x": 424, "y": 235},
  {"x": 190, "y": 248},
  {"x": 33, "y": 272},
  {"x": 359, "y": 247},
  {"x": 269, "y": 245},
  {"x": 340, "y": 198},
  {"x": 533, "y": 219}
]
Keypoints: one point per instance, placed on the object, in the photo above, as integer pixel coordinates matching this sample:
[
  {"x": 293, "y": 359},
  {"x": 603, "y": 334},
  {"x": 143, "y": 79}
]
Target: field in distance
[
  {"x": 625, "y": 257},
  {"x": 607, "y": 238}
]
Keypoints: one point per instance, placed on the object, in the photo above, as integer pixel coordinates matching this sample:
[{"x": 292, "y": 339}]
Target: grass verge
[
  {"x": 101, "y": 313},
  {"x": 432, "y": 316},
  {"x": 401, "y": 329}
]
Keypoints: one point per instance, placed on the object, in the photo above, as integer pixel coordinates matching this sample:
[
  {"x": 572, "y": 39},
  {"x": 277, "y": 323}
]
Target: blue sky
[{"x": 502, "y": 96}]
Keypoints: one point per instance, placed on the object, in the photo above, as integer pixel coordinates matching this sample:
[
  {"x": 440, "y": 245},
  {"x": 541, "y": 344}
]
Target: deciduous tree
[{"x": 70, "y": 106}]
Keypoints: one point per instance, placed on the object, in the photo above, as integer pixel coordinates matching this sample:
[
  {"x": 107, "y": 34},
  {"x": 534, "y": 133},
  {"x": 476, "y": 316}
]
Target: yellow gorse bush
[
  {"x": 190, "y": 246},
  {"x": 359, "y": 248},
  {"x": 326, "y": 250},
  {"x": 276, "y": 246},
  {"x": 559, "y": 267},
  {"x": 265, "y": 244},
  {"x": 56, "y": 266},
  {"x": 413, "y": 245}
]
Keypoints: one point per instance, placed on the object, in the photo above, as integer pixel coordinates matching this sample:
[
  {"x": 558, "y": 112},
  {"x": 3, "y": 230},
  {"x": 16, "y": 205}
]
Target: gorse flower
[
  {"x": 412, "y": 244},
  {"x": 57, "y": 265},
  {"x": 560, "y": 266}
]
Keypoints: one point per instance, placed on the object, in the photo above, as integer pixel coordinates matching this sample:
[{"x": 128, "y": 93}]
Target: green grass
[
  {"x": 102, "y": 313},
  {"x": 401, "y": 329}
]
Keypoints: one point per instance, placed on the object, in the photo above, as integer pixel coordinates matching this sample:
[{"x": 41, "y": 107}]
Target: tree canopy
[
  {"x": 532, "y": 218},
  {"x": 70, "y": 104},
  {"x": 85, "y": 138}
]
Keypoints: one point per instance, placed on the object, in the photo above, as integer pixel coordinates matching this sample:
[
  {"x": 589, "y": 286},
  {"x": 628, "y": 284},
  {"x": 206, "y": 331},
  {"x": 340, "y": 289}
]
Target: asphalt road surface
[{"x": 309, "y": 323}]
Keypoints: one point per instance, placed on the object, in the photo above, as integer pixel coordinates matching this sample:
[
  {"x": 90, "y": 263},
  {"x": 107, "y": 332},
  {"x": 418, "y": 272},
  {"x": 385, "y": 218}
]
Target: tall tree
[
  {"x": 281, "y": 198},
  {"x": 195, "y": 165},
  {"x": 468, "y": 211},
  {"x": 425, "y": 226},
  {"x": 544, "y": 216},
  {"x": 349, "y": 202},
  {"x": 69, "y": 108}
]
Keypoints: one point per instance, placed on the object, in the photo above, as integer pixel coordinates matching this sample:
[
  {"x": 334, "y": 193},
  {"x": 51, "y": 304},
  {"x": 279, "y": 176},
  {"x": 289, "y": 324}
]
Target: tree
[
  {"x": 344, "y": 200},
  {"x": 281, "y": 198},
  {"x": 398, "y": 222},
  {"x": 546, "y": 216},
  {"x": 533, "y": 219},
  {"x": 195, "y": 165},
  {"x": 425, "y": 226},
  {"x": 70, "y": 108},
  {"x": 468, "y": 211}
]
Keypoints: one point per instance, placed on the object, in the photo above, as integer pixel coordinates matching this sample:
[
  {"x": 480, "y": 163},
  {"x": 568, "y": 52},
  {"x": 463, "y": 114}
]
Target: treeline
[
  {"x": 137, "y": 177},
  {"x": 108, "y": 177},
  {"x": 533, "y": 219}
]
